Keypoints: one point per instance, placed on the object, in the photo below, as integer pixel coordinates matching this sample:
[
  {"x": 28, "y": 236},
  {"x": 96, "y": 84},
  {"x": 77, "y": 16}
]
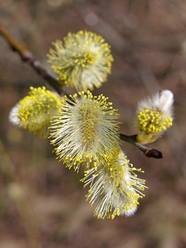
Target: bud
[{"x": 154, "y": 116}]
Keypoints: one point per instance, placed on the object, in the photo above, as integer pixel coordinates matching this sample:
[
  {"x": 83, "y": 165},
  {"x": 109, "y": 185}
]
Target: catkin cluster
[{"x": 84, "y": 129}]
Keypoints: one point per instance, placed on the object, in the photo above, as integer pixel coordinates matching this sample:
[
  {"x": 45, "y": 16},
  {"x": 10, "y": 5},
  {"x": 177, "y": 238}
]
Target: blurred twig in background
[{"x": 17, "y": 192}]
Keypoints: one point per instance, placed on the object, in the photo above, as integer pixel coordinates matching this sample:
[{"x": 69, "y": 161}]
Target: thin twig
[
  {"x": 28, "y": 58},
  {"x": 149, "y": 152}
]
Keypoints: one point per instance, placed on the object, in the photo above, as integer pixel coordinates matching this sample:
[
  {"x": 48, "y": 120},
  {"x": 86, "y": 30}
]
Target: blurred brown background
[{"x": 42, "y": 204}]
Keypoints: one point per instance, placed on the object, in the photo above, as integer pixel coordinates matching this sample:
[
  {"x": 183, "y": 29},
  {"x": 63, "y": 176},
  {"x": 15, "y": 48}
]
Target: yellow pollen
[{"x": 153, "y": 121}]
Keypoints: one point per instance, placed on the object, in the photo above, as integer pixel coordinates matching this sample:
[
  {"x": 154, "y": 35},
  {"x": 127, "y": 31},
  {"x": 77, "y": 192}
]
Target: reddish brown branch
[
  {"x": 27, "y": 57},
  {"x": 149, "y": 152}
]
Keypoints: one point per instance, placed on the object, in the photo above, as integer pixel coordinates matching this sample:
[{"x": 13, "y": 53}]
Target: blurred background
[{"x": 42, "y": 204}]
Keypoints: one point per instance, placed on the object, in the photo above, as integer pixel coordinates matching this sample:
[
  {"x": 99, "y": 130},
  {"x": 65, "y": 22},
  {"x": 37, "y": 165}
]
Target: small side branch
[
  {"x": 149, "y": 152},
  {"x": 28, "y": 58}
]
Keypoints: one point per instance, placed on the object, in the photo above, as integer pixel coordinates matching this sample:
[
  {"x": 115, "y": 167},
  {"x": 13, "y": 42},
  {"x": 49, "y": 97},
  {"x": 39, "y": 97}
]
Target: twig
[
  {"x": 150, "y": 153},
  {"x": 28, "y": 58}
]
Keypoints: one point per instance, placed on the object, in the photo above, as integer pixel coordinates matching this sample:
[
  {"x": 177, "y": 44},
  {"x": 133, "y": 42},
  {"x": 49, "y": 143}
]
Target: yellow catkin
[
  {"x": 36, "y": 110},
  {"x": 114, "y": 187},
  {"x": 86, "y": 130},
  {"x": 83, "y": 60}
]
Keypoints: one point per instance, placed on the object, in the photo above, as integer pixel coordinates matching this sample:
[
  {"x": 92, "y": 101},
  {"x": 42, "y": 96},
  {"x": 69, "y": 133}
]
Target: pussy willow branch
[
  {"x": 28, "y": 58},
  {"x": 149, "y": 152}
]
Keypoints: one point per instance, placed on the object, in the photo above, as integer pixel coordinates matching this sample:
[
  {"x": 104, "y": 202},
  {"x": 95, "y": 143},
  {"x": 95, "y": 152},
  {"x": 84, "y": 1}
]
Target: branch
[
  {"x": 150, "y": 153},
  {"x": 28, "y": 58}
]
